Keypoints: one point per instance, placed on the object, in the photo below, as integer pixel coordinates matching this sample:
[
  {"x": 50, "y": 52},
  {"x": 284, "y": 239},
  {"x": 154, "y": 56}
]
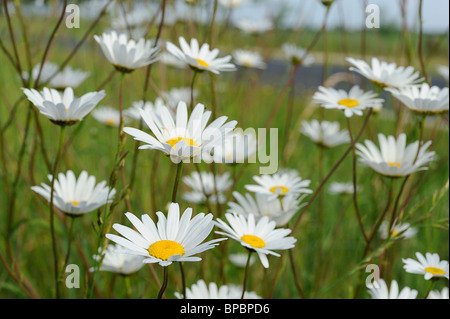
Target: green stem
[
  {"x": 177, "y": 181},
  {"x": 191, "y": 104},
  {"x": 52, "y": 213},
  {"x": 247, "y": 266},
  {"x": 183, "y": 279},
  {"x": 164, "y": 284}
]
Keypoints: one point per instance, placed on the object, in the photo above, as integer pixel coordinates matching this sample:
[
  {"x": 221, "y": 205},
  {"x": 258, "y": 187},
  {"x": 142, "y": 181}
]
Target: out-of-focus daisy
[
  {"x": 176, "y": 95},
  {"x": 279, "y": 185},
  {"x": 147, "y": 106},
  {"x": 182, "y": 138},
  {"x": 232, "y": 3},
  {"x": 123, "y": 264},
  {"x": 325, "y": 133},
  {"x": 394, "y": 158},
  {"x": 423, "y": 99},
  {"x": 403, "y": 230},
  {"x": 236, "y": 147},
  {"x": 260, "y": 237},
  {"x": 172, "y": 239},
  {"x": 240, "y": 260},
  {"x": 297, "y": 55},
  {"x": 205, "y": 186},
  {"x": 63, "y": 108},
  {"x": 443, "y": 71},
  {"x": 384, "y": 292},
  {"x": 249, "y": 59},
  {"x": 280, "y": 211},
  {"x": 429, "y": 265},
  {"x": 436, "y": 294},
  {"x": 107, "y": 115},
  {"x": 170, "y": 60},
  {"x": 76, "y": 197},
  {"x": 352, "y": 102},
  {"x": 200, "y": 58},
  {"x": 383, "y": 74},
  {"x": 68, "y": 77},
  {"x": 255, "y": 26},
  {"x": 126, "y": 54},
  {"x": 200, "y": 290},
  {"x": 342, "y": 188}
]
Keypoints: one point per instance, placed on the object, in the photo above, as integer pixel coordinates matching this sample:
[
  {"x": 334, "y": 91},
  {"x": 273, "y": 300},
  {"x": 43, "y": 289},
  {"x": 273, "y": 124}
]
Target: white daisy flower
[
  {"x": 255, "y": 26},
  {"x": 402, "y": 230},
  {"x": 279, "y": 185},
  {"x": 443, "y": 71},
  {"x": 429, "y": 265},
  {"x": 147, "y": 106},
  {"x": 249, "y": 59},
  {"x": 126, "y": 54},
  {"x": 337, "y": 188},
  {"x": 240, "y": 260},
  {"x": 297, "y": 55},
  {"x": 68, "y": 77},
  {"x": 200, "y": 58},
  {"x": 325, "y": 133},
  {"x": 200, "y": 290},
  {"x": 175, "y": 95},
  {"x": 172, "y": 239},
  {"x": 383, "y": 74},
  {"x": 436, "y": 294},
  {"x": 206, "y": 185},
  {"x": 63, "y": 108},
  {"x": 384, "y": 292},
  {"x": 76, "y": 197},
  {"x": 235, "y": 148},
  {"x": 123, "y": 264},
  {"x": 183, "y": 138},
  {"x": 279, "y": 210},
  {"x": 108, "y": 116},
  {"x": 423, "y": 99},
  {"x": 260, "y": 237},
  {"x": 394, "y": 158},
  {"x": 352, "y": 102}
]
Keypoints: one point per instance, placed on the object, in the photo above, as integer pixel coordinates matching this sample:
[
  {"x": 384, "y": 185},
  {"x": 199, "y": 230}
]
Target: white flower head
[
  {"x": 200, "y": 290},
  {"x": 260, "y": 237},
  {"x": 76, "y": 197},
  {"x": 394, "y": 158},
  {"x": 352, "y": 102},
  {"x": 205, "y": 186},
  {"x": 113, "y": 261},
  {"x": 297, "y": 55},
  {"x": 249, "y": 59},
  {"x": 383, "y": 74},
  {"x": 182, "y": 138},
  {"x": 423, "y": 99},
  {"x": 68, "y": 77},
  {"x": 398, "y": 230},
  {"x": 172, "y": 239},
  {"x": 127, "y": 54},
  {"x": 63, "y": 108},
  {"x": 429, "y": 265},
  {"x": 436, "y": 294},
  {"x": 200, "y": 58},
  {"x": 384, "y": 292},
  {"x": 108, "y": 116},
  {"x": 279, "y": 185},
  {"x": 337, "y": 188},
  {"x": 325, "y": 133}
]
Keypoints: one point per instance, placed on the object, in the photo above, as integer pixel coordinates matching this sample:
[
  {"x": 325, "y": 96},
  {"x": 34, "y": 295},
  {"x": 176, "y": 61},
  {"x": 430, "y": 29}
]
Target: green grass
[{"x": 94, "y": 146}]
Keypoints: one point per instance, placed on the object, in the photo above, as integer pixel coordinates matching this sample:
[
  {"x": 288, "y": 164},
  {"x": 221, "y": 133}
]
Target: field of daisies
[{"x": 174, "y": 149}]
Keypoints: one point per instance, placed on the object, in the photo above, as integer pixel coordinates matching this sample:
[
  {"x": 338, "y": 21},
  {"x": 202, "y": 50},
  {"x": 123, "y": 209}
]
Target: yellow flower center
[
  {"x": 279, "y": 190},
  {"x": 110, "y": 121},
  {"x": 164, "y": 249},
  {"x": 175, "y": 140},
  {"x": 435, "y": 271},
  {"x": 202, "y": 63},
  {"x": 253, "y": 241},
  {"x": 74, "y": 202},
  {"x": 394, "y": 164},
  {"x": 348, "y": 103}
]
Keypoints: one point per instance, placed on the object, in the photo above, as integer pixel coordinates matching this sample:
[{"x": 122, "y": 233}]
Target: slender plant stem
[
  {"x": 183, "y": 279},
  {"x": 177, "y": 181},
  {"x": 294, "y": 273},
  {"x": 191, "y": 104},
  {"x": 69, "y": 243},
  {"x": 355, "y": 185},
  {"x": 433, "y": 282},
  {"x": 420, "y": 44},
  {"x": 52, "y": 213},
  {"x": 247, "y": 266},
  {"x": 164, "y": 284}
]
